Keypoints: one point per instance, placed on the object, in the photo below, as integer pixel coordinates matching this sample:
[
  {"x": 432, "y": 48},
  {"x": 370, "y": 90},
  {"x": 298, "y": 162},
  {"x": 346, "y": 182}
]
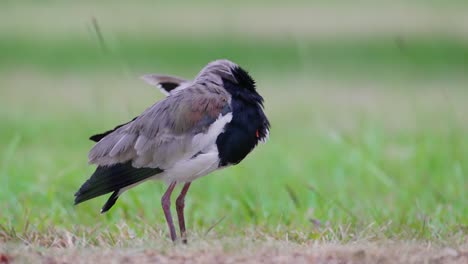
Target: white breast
[
  {"x": 203, "y": 141},
  {"x": 189, "y": 170},
  {"x": 204, "y": 158}
]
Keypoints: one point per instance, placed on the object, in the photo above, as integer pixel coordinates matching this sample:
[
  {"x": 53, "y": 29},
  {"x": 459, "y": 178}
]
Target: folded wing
[{"x": 163, "y": 134}]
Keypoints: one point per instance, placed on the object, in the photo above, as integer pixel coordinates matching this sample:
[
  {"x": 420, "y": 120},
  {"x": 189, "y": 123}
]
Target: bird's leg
[
  {"x": 166, "y": 205},
  {"x": 180, "y": 204}
]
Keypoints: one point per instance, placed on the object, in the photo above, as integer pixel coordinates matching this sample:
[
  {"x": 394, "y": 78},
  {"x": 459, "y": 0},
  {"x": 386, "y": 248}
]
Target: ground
[{"x": 248, "y": 251}]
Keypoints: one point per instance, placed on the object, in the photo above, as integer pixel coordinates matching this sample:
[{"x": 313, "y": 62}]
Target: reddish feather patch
[{"x": 5, "y": 259}]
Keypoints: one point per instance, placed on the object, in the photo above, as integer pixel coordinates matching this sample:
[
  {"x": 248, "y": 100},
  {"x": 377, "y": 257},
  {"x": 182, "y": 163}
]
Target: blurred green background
[{"x": 367, "y": 101}]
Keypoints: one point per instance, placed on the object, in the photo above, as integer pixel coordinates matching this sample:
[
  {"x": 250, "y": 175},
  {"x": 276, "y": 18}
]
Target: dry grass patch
[{"x": 244, "y": 250}]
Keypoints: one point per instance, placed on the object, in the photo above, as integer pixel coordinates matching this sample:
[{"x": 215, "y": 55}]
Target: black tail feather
[
  {"x": 110, "y": 202},
  {"x": 112, "y": 178}
]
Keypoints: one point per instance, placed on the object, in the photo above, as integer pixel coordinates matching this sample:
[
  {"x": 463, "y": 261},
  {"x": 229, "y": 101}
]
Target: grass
[
  {"x": 401, "y": 176},
  {"x": 247, "y": 251},
  {"x": 420, "y": 56},
  {"x": 368, "y": 149}
]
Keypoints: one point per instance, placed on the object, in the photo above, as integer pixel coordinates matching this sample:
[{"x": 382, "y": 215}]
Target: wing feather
[
  {"x": 163, "y": 133},
  {"x": 167, "y": 84},
  {"x": 126, "y": 142}
]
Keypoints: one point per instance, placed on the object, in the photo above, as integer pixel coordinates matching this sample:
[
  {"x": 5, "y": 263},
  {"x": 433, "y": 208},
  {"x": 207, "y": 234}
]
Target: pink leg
[
  {"x": 166, "y": 205},
  {"x": 180, "y": 204}
]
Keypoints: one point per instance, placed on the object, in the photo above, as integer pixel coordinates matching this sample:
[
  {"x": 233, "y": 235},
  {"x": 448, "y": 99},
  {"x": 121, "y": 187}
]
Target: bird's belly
[{"x": 191, "y": 169}]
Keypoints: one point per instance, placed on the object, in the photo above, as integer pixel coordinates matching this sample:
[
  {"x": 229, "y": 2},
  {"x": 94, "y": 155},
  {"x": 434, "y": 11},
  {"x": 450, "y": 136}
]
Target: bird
[{"x": 202, "y": 125}]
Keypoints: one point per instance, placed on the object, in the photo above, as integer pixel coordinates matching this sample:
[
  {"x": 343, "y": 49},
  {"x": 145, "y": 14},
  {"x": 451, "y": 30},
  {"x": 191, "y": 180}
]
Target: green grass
[
  {"x": 418, "y": 56},
  {"x": 391, "y": 172}
]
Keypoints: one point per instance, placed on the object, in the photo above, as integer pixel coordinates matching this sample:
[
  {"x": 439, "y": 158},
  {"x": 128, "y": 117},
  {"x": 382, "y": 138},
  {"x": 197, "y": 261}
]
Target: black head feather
[
  {"x": 243, "y": 78},
  {"x": 242, "y": 87}
]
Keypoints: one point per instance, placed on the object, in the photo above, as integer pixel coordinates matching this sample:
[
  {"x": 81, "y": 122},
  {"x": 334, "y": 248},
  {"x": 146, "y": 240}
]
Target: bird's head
[{"x": 232, "y": 77}]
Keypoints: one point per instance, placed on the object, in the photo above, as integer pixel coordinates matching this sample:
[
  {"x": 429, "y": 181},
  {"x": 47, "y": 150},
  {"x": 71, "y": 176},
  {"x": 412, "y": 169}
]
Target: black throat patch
[{"x": 241, "y": 135}]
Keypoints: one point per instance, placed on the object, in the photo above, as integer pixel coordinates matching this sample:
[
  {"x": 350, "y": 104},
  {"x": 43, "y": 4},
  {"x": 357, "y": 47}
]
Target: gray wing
[
  {"x": 174, "y": 128},
  {"x": 167, "y": 84}
]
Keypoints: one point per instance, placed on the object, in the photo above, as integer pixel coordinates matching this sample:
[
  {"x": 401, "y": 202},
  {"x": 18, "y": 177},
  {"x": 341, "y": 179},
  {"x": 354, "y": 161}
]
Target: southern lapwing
[{"x": 202, "y": 125}]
